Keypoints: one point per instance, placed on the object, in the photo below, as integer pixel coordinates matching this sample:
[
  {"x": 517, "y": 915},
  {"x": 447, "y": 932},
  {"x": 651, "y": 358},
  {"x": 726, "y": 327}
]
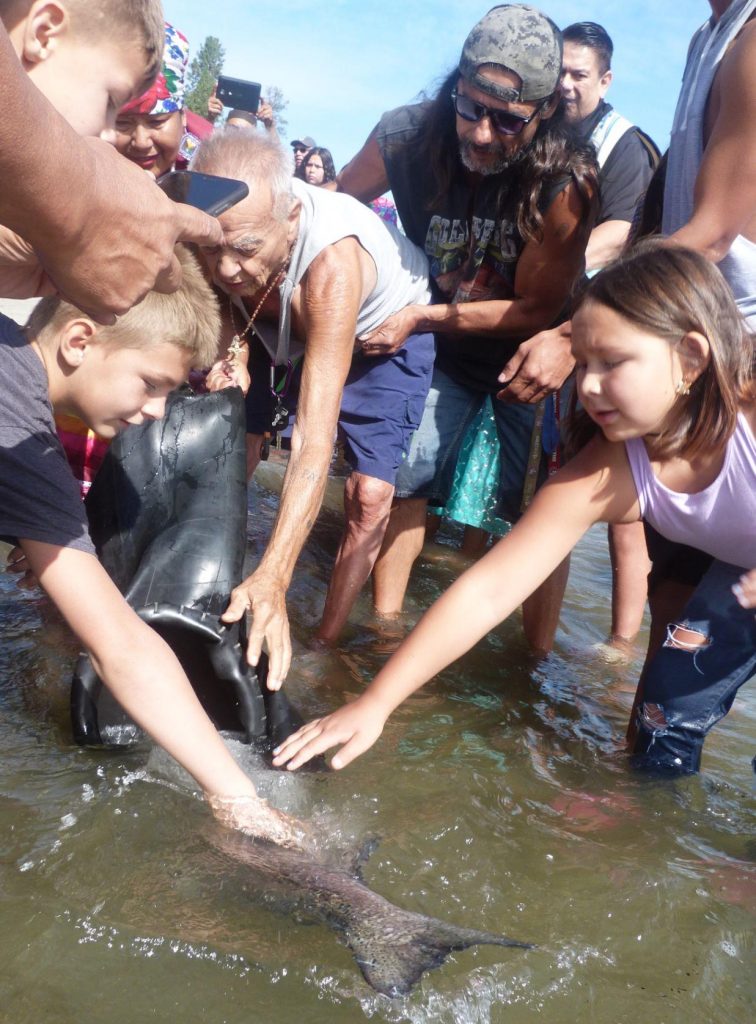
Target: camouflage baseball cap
[{"x": 518, "y": 38}]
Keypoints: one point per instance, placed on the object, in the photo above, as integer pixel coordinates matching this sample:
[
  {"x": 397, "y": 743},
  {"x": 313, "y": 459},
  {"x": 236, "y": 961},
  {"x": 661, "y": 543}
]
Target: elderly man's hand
[
  {"x": 122, "y": 246},
  {"x": 264, "y": 596},
  {"x": 392, "y": 334},
  {"x": 539, "y": 366}
]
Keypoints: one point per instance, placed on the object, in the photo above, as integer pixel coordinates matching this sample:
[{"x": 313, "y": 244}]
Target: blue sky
[{"x": 341, "y": 63}]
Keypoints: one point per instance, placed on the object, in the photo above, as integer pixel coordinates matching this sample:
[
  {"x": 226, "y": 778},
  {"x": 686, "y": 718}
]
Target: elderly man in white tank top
[{"x": 308, "y": 272}]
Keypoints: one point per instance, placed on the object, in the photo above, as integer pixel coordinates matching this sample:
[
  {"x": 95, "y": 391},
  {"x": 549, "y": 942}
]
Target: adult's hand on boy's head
[{"x": 119, "y": 244}]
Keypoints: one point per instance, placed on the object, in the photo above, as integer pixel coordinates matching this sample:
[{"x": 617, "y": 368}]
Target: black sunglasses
[{"x": 503, "y": 121}]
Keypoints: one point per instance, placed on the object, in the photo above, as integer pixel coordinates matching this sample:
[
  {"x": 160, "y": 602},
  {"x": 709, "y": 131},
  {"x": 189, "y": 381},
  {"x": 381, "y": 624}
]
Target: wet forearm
[
  {"x": 301, "y": 497},
  {"x": 147, "y": 680}
]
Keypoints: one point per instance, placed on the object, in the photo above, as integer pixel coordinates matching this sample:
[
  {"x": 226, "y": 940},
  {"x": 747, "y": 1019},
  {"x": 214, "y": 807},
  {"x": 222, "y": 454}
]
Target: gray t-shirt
[{"x": 39, "y": 497}]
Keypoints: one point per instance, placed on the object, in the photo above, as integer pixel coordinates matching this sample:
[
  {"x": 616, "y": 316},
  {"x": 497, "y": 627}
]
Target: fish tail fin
[{"x": 394, "y": 954}]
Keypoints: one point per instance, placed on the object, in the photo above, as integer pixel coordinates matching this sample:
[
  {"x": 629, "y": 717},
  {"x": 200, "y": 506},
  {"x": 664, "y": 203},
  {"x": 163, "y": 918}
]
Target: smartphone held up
[
  {"x": 207, "y": 192},
  {"x": 236, "y": 92}
]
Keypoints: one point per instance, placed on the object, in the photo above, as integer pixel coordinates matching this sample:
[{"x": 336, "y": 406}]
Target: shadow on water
[{"x": 502, "y": 802}]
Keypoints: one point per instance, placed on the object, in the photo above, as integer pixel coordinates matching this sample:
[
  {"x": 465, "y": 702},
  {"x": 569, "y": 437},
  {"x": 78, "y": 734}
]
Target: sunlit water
[{"x": 502, "y": 801}]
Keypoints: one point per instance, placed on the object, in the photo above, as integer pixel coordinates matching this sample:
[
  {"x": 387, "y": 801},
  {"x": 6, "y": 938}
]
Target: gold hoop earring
[{"x": 682, "y": 388}]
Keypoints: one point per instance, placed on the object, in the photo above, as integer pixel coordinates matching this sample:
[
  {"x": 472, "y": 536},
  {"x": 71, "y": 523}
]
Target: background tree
[
  {"x": 276, "y": 99},
  {"x": 203, "y": 74}
]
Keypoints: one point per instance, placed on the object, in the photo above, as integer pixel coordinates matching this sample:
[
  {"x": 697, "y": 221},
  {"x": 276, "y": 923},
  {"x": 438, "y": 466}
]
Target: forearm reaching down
[
  {"x": 147, "y": 680},
  {"x": 487, "y": 593}
]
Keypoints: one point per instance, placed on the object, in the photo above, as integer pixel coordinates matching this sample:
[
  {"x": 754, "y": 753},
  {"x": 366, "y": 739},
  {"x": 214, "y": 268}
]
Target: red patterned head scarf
[{"x": 167, "y": 93}]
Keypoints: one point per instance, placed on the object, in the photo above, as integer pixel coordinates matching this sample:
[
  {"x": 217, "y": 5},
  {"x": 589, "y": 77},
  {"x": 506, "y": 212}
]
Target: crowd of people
[{"x": 512, "y": 347}]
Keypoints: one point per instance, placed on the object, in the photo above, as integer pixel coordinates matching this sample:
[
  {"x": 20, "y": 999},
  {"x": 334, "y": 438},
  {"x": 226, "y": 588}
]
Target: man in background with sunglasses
[
  {"x": 503, "y": 207},
  {"x": 301, "y": 148}
]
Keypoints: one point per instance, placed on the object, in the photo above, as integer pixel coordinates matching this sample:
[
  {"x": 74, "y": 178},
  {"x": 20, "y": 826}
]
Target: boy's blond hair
[
  {"x": 138, "y": 20},
  {"x": 188, "y": 318}
]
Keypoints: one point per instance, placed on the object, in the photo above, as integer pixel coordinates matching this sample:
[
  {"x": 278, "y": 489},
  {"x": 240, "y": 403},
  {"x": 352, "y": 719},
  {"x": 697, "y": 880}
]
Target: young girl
[{"x": 665, "y": 370}]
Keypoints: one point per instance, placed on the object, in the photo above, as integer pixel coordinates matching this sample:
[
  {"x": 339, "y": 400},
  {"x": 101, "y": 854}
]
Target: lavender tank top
[{"x": 721, "y": 519}]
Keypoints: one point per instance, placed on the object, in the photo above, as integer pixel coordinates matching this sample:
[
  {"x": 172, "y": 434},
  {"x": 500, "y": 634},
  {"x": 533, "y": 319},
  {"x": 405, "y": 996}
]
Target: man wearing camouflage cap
[{"x": 502, "y": 205}]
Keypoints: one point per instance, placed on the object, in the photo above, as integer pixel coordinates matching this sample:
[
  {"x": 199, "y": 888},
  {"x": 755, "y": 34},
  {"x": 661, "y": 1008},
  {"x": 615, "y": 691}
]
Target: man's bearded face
[
  {"x": 491, "y": 159},
  {"x": 482, "y": 149}
]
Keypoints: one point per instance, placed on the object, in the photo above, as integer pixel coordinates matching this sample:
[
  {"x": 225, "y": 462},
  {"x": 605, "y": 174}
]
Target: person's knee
[
  {"x": 368, "y": 501},
  {"x": 681, "y": 637}
]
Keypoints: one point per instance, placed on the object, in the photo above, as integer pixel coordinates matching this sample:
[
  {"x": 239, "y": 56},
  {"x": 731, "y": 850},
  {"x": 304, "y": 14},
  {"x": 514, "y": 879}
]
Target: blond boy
[
  {"x": 89, "y": 223},
  {"x": 109, "y": 377}
]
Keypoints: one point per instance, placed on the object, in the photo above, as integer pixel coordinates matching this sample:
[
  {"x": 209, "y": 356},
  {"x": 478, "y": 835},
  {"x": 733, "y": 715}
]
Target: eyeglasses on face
[
  {"x": 300, "y": 149},
  {"x": 504, "y": 122}
]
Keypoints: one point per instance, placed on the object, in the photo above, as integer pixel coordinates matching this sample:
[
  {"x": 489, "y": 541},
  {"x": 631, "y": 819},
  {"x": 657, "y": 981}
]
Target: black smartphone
[
  {"x": 207, "y": 192},
  {"x": 235, "y": 92}
]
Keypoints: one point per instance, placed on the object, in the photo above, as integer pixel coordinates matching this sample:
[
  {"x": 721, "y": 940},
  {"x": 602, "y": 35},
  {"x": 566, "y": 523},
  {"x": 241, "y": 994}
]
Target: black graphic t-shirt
[{"x": 472, "y": 244}]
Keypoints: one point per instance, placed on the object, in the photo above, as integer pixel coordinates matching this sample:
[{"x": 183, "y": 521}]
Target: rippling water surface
[{"x": 501, "y": 799}]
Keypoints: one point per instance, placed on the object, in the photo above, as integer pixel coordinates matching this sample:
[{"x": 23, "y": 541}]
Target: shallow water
[{"x": 502, "y": 802}]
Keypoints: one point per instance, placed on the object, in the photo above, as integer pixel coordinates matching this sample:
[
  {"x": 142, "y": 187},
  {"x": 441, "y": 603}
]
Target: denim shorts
[
  {"x": 449, "y": 410},
  {"x": 381, "y": 406},
  {"x": 688, "y": 687}
]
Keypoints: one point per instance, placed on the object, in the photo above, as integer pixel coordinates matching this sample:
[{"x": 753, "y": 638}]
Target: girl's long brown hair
[{"x": 670, "y": 291}]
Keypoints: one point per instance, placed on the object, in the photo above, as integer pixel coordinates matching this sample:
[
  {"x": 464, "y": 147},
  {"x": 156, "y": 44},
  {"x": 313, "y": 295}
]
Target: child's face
[
  {"x": 626, "y": 377},
  {"x": 88, "y": 82},
  {"x": 112, "y": 388},
  {"x": 150, "y": 140}
]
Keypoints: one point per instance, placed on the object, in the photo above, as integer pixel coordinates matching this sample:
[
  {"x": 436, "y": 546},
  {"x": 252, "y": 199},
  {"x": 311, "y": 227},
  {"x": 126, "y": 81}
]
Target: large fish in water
[
  {"x": 392, "y": 947},
  {"x": 168, "y": 515}
]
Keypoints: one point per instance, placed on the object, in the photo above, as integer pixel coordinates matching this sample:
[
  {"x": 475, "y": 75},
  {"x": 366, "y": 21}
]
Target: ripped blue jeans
[{"x": 692, "y": 681}]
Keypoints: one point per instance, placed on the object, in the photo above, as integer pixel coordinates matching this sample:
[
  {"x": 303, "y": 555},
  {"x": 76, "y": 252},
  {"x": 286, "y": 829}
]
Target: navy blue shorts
[{"x": 381, "y": 406}]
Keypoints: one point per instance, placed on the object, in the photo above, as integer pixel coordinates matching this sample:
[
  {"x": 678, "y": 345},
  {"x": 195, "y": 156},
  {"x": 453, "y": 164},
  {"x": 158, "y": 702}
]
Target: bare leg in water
[
  {"x": 367, "y": 507},
  {"x": 630, "y": 569},
  {"x": 404, "y": 542}
]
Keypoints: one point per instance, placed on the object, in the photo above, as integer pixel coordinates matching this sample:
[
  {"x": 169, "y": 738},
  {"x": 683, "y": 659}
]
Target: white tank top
[
  {"x": 325, "y": 218},
  {"x": 721, "y": 519}
]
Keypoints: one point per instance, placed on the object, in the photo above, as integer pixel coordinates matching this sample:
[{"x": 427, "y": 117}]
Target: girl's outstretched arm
[{"x": 596, "y": 485}]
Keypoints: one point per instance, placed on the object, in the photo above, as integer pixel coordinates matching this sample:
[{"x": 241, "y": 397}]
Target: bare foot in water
[{"x": 616, "y": 649}]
